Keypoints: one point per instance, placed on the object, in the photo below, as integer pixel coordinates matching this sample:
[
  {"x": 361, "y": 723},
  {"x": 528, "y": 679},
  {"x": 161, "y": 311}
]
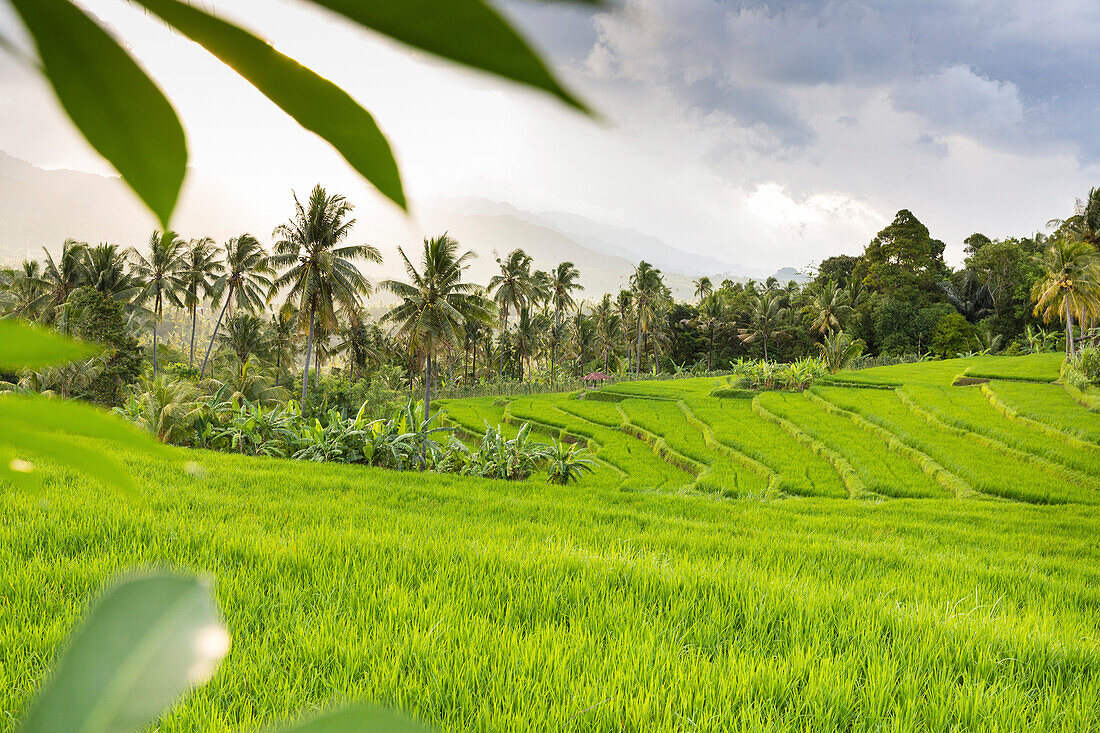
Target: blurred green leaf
[
  {"x": 27, "y": 444},
  {"x": 316, "y": 103},
  {"x": 25, "y": 346},
  {"x": 357, "y": 719},
  {"x": 146, "y": 642},
  {"x": 113, "y": 103},
  {"x": 470, "y": 32}
]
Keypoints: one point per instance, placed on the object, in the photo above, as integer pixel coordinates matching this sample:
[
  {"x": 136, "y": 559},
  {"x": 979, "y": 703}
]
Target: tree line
[{"x": 288, "y": 314}]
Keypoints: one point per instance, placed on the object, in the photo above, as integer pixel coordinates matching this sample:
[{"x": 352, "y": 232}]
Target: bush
[
  {"x": 93, "y": 316},
  {"x": 954, "y": 335}
]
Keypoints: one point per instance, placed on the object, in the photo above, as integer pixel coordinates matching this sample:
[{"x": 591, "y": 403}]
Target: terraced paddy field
[
  {"x": 920, "y": 557},
  {"x": 980, "y": 428}
]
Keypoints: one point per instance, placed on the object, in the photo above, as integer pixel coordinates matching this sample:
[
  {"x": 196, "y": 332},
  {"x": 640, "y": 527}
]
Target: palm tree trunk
[
  {"x": 427, "y": 384},
  {"x": 503, "y": 330},
  {"x": 194, "y": 318},
  {"x": 217, "y": 325},
  {"x": 638, "y": 350},
  {"x": 710, "y": 355},
  {"x": 1069, "y": 329},
  {"x": 155, "y": 344},
  {"x": 309, "y": 348}
]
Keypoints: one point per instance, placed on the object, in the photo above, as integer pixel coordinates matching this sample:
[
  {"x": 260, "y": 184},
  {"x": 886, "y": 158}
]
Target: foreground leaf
[
  {"x": 357, "y": 719},
  {"x": 470, "y": 32},
  {"x": 313, "y": 101},
  {"x": 111, "y": 100},
  {"x": 24, "y": 346},
  {"x": 146, "y": 642}
]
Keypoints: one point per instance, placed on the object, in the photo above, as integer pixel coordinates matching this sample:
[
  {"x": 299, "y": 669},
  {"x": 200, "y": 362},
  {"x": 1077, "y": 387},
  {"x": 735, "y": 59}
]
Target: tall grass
[{"x": 483, "y": 605}]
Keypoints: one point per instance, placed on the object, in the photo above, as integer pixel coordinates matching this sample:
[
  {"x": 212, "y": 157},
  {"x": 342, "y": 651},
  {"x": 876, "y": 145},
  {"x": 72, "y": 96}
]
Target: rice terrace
[{"x": 601, "y": 376}]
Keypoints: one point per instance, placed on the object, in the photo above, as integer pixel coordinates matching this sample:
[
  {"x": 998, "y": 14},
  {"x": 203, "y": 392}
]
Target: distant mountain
[{"x": 44, "y": 207}]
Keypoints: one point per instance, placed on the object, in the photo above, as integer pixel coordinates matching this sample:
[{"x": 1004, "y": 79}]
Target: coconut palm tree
[
  {"x": 245, "y": 336},
  {"x": 839, "y": 350},
  {"x": 583, "y": 339},
  {"x": 361, "y": 346},
  {"x": 27, "y": 289},
  {"x": 103, "y": 268},
  {"x": 282, "y": 337},
  {"x": 62, "y": 276},
  {"x": 1069, "y": 284},
  {"x": 766, "y": 320},
  {"x": 1084, "y": 223},
  {"x": 531, "y": 327},
  {"x": 564, "y": 281},
  {"x": 435, "y": 304},
  {"x": 159, "y": 274},
  {"x": 244, "y": 281},
  {"x": 970, "y": 297},
  {"x": 199, "y": 265},
  {"x": 645, "y": 286},
  {"x": 703, "y": 288},
  {"x": 513, "y": 288},
  {"x": 830, "y": 307},
  {"x": 321, "y": 274},
  {"x": 712, "y": 313}
]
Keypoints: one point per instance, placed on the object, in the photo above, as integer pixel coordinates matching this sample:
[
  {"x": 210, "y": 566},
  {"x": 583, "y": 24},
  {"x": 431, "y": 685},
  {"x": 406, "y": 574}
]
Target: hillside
[
  {"x": 645, "y": 596},
  {"x": 889, "y": 432}
]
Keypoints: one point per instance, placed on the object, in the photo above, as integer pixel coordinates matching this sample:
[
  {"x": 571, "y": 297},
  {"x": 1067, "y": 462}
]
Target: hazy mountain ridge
[{"x": 41, "y": 208}]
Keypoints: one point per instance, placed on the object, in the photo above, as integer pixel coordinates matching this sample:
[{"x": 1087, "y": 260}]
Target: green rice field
[{"x": 884, "y": 552}]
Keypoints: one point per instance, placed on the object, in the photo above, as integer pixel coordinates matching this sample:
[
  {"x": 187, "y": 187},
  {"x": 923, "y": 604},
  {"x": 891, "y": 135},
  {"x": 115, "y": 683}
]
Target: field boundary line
[
  {"x": 1063, "y": 472},
  {"x": 1090, "y": 402},
  {"x": 590, "y": 443},
  {"x": 661, "y": 447},
  {"x": 1012, "y": 413},
  {"x": 763, "y": 471},
  {"x": 848, "y": 475},
  {"x": 952, "y": 482}
]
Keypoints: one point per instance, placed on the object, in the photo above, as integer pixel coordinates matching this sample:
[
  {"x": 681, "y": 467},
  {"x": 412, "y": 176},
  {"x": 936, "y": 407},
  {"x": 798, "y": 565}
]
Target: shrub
[{"x": 954, "y": 335}]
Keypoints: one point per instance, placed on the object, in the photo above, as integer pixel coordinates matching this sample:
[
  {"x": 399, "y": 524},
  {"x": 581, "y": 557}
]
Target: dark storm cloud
[{"x": 1016, "y": 74}]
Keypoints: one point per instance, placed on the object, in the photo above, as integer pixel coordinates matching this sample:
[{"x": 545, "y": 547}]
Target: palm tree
[
  {"x": 245, "y": 336},
  {"x": 104, "y": 269},
  {"x": 645, "y": 287},
  {"x": 530, "y": 330},
  {"x": 1084, "y": 224},
  {"x": 514, "y": 288},
  {"x": 160, "y": 278},
  {"x": 765, "y": 320},
  {"x": 839, "y": 350},
  {"x": 583, "y": 338},
  {"x": 64, "y": 275},
  {"x": 703, "y": 287},
  {"x": 435, "y": 304},
  {"x": 607, "y": 328},
  {"x": 321, "y": 274},
  {"x": 199, "y": 265},
  {"x": 712, "y": 312},
  {"x": 282, "y": 337},
  {"x": 28, "y": 288},
  {"x": 360, "y": 346},
  {"x": 829, "y": 306},
  {"x": 970, "y": 297},
  {"x": 245, "y": 280},
  {"x": 1069, "y": 284}
]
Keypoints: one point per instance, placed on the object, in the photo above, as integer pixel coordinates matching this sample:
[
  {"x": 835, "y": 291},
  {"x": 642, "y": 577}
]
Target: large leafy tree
[
  {"x": 1069, "y": 285},
  {"x": 903, "y": 259},
  {"x": 158, "y": 271},
  {"x": 200, "y": 263},
  {"x": 512, "y": 289},
  {"x": 435, "y": 303},
  {"x": 320, "y": 271},
  {"x": 245, "y": 281}
]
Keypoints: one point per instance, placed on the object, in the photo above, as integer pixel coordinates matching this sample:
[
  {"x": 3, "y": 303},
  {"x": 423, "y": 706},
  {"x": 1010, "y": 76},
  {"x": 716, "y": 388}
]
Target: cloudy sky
[{"x": 769, "y": 133}]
